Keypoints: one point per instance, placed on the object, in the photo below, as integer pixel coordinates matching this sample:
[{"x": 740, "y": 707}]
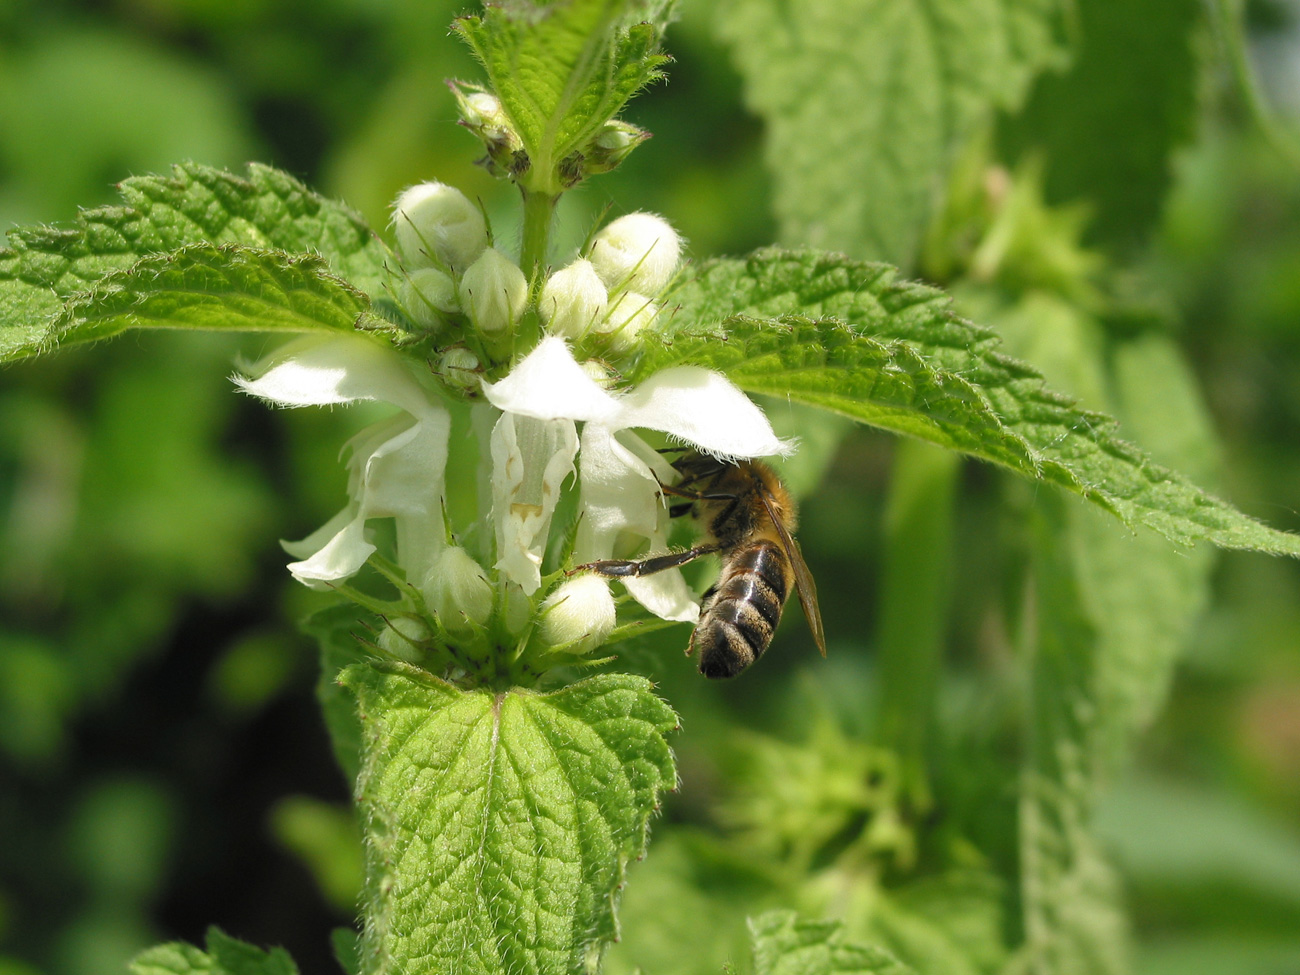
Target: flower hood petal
[
  {"x": 704, "y": 409},
  {"x": 548, "y": 384},
  {"x": 332, "y": 370}
]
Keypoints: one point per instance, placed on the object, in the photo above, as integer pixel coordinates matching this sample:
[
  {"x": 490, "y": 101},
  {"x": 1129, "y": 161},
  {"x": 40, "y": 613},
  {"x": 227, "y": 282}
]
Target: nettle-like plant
[{"x": 506, "y": 771}]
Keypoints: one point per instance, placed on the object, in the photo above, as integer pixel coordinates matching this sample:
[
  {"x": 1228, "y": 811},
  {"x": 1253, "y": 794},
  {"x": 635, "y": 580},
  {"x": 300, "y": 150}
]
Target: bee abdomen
[{"x": 739, "y": 617}]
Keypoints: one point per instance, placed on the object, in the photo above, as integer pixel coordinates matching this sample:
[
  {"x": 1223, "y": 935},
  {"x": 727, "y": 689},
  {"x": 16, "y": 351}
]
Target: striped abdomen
[{"x": 739, "y": 615}]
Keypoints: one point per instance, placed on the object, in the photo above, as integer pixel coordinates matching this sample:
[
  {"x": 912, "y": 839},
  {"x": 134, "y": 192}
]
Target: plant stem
[
  {"x": 538, "y": 210},
  {"x": 915, "y": 593}
]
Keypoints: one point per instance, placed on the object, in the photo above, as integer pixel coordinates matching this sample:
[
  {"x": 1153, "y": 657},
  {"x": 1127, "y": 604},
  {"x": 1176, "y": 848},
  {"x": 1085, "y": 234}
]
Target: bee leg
[
  {"x": 644, "y": 567},
  {"x": 678, "y": 510}
]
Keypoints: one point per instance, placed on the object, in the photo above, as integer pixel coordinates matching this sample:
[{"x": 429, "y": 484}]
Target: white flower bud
[
  {"x": 630, "y": 315},
  {"x": 517, "y": 612},
  {"x": 579, "y": 614},
  {"x": 618, "y": 135},
  {"x": 573, "y": 300},
  {"x": 428, "y": 295},
  {"x": 460, "y": 369},
  {"x": 481, "y": 108},
  {"x": 403, "y": 638},
  {"x": 494, "y": 291},
  {"x": 437, "y": 223},
  {"x": 600, "y": 374},
  {"x": 458, "y": 590},
  {"x": 639, "y": 251}
]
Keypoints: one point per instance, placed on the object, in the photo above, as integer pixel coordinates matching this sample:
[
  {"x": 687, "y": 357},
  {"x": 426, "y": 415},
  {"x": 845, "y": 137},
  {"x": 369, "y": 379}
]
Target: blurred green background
[{"x": 162, "y": 761}]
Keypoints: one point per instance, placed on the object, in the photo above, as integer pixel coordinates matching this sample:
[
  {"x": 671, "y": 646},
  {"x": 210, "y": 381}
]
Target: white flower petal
[
  {"x": 531, "y": 459},
  {"x": 620, "y": 498},
  {"x": 550, "y": 385},
  {"x": 397, "y": 471},
  {"x": 664, "y": 593},
  {"x": 619, "y": 494},
  {"x": 305, "y": 548},
  {"x": 702, "y": 408},
  {"x": 332, "y": 370},
  {"x": 404, "y": 479},
  {"x": 341, "y": 557}
]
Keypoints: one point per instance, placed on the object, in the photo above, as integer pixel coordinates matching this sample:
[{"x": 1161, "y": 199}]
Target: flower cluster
[{"x": 555, "y": 426}]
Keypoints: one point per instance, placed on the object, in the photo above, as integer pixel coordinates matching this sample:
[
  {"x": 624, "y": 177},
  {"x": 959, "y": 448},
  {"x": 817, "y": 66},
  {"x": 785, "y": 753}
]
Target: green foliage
[
  {"x": 45, "y": 266},
  {"x": 225, "y": 287},
  {"x": 916, "y": 589},
  {"x": 140, "y": 103},
  {"x": 225, "y": 956},
  {"x": 785, "y": 945},
  {"x": 1119, "y": 81},
  {"x": 848, "y": 337},
  {"x": 1072, "y": 916},
  {"x": 995, "y": 650},
  {"x": 562, "y": 70},
  {"x": 499, "y": 825},
  {"x": 337, "y": 631},
  {"x": 865, "y": 102}
]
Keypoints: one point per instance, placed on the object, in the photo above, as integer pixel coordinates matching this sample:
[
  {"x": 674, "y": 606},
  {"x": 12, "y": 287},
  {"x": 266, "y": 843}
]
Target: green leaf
[
  {"x": 1137, "y": 73},
  {"x": 44, "y": 266},
  {"x": 1110, "y": 613},
  {"x": 1141, "y": 597},
  {"x": 338, "y": 630},
  {"x": 954, "y": 923},
  {"x": 916, "y": 591},
  {"x": 785, "y": 945},
  {"x": 222, "y": 288},
  {"x": 1070, "y": 896},
  {"x": 563, "y": 69},
  {"x": 866, "y": 101},
  {"x": 500, "y": 824},
  {"x": 225, "y": 956},
  {"x": 850, "y": 337}
]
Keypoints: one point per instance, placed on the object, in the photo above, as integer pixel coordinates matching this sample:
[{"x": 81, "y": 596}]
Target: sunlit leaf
[
  {"x": 852, "y": 338},
  {"x": 500, "y": 824}
]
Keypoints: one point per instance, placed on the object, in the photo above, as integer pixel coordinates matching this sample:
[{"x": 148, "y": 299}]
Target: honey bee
[{"x": 749, "y": 519}]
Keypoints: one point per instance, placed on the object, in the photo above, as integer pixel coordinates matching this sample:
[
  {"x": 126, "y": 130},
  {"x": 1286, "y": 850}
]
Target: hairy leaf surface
[
  {"x": 786, "y": 945},
  {"x": 267, "y": 210},
  {"x": 500, "y": 824},
  {"x": 562, "y": 69},
  {"x": 851, "y": 337},
  {"x": 224, "y": 956},
  {"x": 865, "y": 101},
  {"x": 1110, "y": 613},
  {"x": 222, "y": 288},
  {"x": 1070, "y": 895}
]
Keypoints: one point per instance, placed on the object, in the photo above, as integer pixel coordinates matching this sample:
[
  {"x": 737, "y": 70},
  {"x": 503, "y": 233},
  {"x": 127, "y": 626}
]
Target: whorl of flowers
[{"x": 547, "y": 428}]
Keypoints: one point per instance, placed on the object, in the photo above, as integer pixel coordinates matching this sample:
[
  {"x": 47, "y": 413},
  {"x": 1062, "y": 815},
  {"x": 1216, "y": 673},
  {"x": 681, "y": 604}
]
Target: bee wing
[{"x": 803, "y": 577}]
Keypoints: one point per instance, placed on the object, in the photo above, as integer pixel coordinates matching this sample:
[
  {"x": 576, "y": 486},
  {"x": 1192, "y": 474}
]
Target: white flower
[
  {"x": 494, "y": 291},
  {"x": 639, "y": 252},
  {"x": 458, "y": 590},
  {"x": 396, "y": 466},
  {"x": 621, "y": 500},
  {"x": 630, "y": 315},
  {"x": 578, "y": 615},
  {"x": 438, "y": 224},
  {"x": 573, "y": 300},
  {"x": 428, "y": 296},
  {"x": 531, "y": 460}
]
